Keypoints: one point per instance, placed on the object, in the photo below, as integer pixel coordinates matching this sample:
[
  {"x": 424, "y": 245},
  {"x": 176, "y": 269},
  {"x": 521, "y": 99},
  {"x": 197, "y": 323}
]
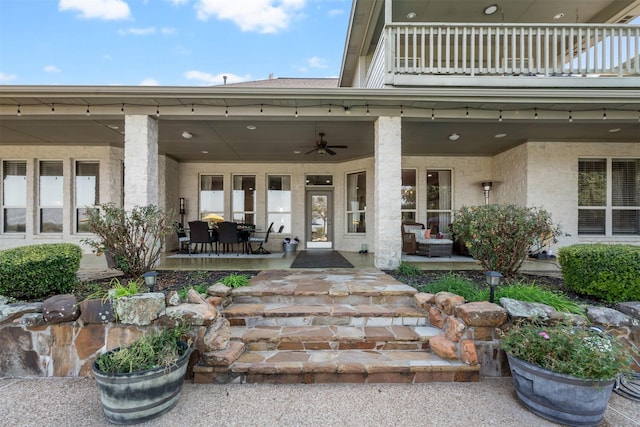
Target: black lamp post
[
  {"x": 493, "y": 280},
  {"x": 182, "y": 211}
]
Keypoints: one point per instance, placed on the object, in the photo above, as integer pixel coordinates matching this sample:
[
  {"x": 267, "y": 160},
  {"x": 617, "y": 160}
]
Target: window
[
  {"x": 14, "y": 200},
  {"x": 279, "y": 202},
  {"x": 356, "y": 202},
  {"x": 319, "y": 180},
  {"x": 439, "y": 201},
  {"x": 605, "y": 212},
  {"x": 244, "y": 199},
  {"x": 51, "y": 191},
  {"x": 408, "y": 195},
  {"x": 211, "y": 195},
  {"x": 87, "y": 192}
]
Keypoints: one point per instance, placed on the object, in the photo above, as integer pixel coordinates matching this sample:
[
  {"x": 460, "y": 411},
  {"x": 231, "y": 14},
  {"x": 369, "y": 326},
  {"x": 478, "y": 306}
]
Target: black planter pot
[
  {"x": 561, "y": 398},
  {"x": 141, "y": 396}
]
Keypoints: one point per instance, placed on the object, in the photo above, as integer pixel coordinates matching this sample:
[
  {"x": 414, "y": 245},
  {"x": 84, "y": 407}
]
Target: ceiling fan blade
[
  {"x": 311, "y": 151},
  {"x": 337, "y": 146},
  {"x": 330, "y": 151}
]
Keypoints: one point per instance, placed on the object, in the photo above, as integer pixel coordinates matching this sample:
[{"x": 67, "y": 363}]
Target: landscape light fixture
[
  {"x": 493, "y": 280},
  {"x": 486, "y": 187},
  {"x": 150, "y": 279}
]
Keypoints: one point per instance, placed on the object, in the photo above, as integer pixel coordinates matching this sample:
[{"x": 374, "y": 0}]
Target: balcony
[{"x": 411, "y": 54}]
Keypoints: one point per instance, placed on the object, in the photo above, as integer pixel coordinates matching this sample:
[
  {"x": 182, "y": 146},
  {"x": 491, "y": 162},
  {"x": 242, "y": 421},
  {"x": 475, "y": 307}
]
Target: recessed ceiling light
[
  {"x": 112, "y": 126},
  {"x": 251, "y": 127},
  {"x": 558, "y": 16},
  {"x": 614, "y": 130},
  {"x": 491, "y": 9},
  {"x": 411, "y": 15},
  {"x": 296, "y": 151},
  {"x": 501, "y": 135},
  {"x": 454, "y": 137},
  {"x": 187, "y": 135},
  {"x": 204, "y": 152}
]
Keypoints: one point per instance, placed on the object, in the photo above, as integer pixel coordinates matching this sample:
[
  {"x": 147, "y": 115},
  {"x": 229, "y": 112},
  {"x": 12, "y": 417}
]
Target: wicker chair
[{"x": 409, "y": 244}]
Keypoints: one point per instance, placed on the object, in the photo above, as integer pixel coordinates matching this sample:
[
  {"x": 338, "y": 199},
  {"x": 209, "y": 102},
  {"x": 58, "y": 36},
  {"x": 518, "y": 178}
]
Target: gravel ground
[{"x": 490, "y": 402}]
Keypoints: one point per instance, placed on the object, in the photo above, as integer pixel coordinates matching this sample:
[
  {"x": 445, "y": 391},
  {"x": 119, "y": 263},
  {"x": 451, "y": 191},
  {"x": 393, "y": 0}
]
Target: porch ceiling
[
  {"x": 280, "y": 136},
  {"x": 278, "y": 140}
]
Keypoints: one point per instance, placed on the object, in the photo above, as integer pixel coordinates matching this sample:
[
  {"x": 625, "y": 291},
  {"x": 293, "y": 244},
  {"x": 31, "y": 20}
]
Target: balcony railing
[{"x": 508, "y": 49}]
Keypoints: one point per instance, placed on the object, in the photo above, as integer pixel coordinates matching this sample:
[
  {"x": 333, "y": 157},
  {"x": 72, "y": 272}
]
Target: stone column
[
  {"x": 140, "y": 161},
  {"x": 387, "y": 198}
]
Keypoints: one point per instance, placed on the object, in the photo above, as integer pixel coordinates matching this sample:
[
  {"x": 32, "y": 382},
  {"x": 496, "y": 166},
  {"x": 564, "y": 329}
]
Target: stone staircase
[{"x": 340, "y": 326}]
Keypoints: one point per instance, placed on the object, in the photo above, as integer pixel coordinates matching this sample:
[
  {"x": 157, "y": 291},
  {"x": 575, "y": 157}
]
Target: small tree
[
  {"x": 500, "y": 236},
  {"x": 134, "y": 238}
]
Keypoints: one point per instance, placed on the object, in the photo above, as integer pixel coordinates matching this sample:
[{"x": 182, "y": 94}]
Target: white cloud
[
  {"x": 149, "y": 81},
  {"x": 335, "y": 12},
  {"x": 217, "y": 79},
  {"x": 179, "y": 2},
  {"x": 263, "y": 16},
  {"x": 137, "y": 31},
  {"x": 101, "y": 9},
  {"x": 167, "y": 31},
  {"x": 7, "y": 77},
  {"x": 317, "y": 62},
  {"x": 51, "y": 69}
]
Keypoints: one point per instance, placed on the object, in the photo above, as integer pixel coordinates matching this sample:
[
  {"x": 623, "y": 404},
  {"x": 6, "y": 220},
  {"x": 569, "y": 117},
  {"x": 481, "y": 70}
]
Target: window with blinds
[
  {"x": 14, "y": 196},
  {"x": 87, "y": 192},
  {"x": 357, "y": 202},
  {"x": 609, "y": 197},
  {"x": 50, "y": 196}
]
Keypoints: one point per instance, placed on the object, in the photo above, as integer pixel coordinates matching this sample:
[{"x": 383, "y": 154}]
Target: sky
[{"x": 169, "y": 42}]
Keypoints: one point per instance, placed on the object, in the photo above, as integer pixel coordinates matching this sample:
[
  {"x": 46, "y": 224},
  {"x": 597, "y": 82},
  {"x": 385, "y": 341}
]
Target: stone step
[
  {"x": 353, "y": 299},
  {"x": 272, "y": 314},
  {"x": 348, "y": 366},
  {"x": 334, "y": 337}
]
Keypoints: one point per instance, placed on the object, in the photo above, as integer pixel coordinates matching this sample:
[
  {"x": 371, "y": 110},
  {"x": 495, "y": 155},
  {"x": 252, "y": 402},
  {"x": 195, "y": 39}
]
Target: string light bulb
[
  {"x": 296, "y": 114},
  {"x": 53, "y": 107},
  {"x": 260, "y": 109},
  {"x": 19, "y": 112},
  {"x": 433, "y": 114},
  {"x": 604, "y": 114},
  {"x": 401, "y": 111},
  {"x": 226, "y": 111},
  {"x": 367, "y": 109},
  {"x": 500, "y": 118},
  {"x": 535, "y": 115},
  {"x": 466, "y": 112},
  {"x": 157, "y": 111},
  {"x": 193, "y": 110},
  {"x": 570, "y": 117},
  {"x": 329, "y": 112},
  {"x": 88, "y": 112},
  {"x": 122, "y": 109}
]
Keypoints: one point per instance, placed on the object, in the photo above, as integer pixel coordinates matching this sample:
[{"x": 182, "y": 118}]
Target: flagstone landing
[{"x": 342, "y": 326}]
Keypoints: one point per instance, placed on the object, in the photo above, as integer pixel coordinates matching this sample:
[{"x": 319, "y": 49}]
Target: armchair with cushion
[{"x": 409, "y": 231}]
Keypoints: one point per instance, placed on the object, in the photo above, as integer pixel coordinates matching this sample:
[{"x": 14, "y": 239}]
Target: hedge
[
  {"x": 610, "y": 273},
  {"x": 39, "y": 271}
]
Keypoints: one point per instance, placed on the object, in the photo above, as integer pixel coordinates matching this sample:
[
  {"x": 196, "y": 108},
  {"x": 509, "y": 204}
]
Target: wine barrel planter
[
  {"x": 561, "y": 398},
  {"x": 141, "y": 396}
]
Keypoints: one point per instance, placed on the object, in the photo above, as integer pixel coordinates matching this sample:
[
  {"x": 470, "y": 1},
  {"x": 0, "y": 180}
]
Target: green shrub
[
  {"x": 610, "y": 273},
  {"x": 134, "y": 237},
  {"x": 235, "y": 280},
  {"x": 406, "y": 269},
  {"x": 201, "y": 289},
  {"x": 457, "y": 285},
  {"x": 501, "y": 236},
  {"x": 534, "y": 293},
  {"x": 39, "y": 271},
  {"x": 117, "y": 289}
]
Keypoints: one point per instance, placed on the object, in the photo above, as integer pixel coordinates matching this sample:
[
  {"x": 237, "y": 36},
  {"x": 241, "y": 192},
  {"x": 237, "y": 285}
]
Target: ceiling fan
[{"x": 322, "y": 147}]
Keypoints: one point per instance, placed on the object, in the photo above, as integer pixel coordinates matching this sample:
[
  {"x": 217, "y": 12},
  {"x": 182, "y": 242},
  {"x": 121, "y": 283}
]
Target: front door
[{"x": 319, "y": 218}]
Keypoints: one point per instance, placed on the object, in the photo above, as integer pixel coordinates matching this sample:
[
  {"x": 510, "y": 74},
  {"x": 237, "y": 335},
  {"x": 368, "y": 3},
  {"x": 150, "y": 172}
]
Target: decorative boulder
[
  {"x": 140, "y": 309},
  {"x": 60, "y": 308},
  {"x": 97, "y": 311}
]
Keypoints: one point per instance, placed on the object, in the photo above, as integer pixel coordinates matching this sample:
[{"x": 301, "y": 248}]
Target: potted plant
[
  {"x": 564, "y": 373},
  {"x": 143, "y": 380}
]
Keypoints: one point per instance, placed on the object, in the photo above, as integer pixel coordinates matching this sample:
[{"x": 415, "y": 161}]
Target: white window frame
[
  {"x": 283, "y": 215},
  {"x": 4, "y": 193},
  {"x": 240, "y": 215},
  {"x": 76, "y": 205},
  {"x": 360, "y": 211},
  {"x": 42, "y": 205},
  {"x": 443, "y": 228}
]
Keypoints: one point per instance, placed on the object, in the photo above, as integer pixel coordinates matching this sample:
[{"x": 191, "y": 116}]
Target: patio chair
[
  {"x": 261, "y": 242},
  {"x": 228, "y": 235},
  {"x": 199, "y": 234},
  {"x": 409, "y": 243},
  {"x": 183, "y": 239}
]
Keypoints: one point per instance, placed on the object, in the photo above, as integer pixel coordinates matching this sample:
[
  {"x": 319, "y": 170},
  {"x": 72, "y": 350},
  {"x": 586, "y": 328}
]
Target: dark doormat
[{"x": 320, "y": 259}]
